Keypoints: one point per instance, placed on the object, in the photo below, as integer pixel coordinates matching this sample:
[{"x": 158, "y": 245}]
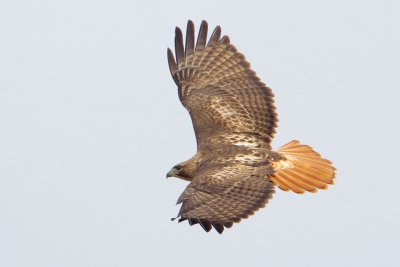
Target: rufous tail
[{"x": 301, "y": 169}]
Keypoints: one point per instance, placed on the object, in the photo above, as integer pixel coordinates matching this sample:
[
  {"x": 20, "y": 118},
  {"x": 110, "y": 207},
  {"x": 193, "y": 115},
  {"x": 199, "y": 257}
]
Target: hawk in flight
[{"x": 235, "y": 169}]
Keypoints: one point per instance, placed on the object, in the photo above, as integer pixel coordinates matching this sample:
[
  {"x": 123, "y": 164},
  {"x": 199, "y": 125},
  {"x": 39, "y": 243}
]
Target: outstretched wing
[
  {"x": 220, "y": 196},
  {"x": 218, "y": 87}
]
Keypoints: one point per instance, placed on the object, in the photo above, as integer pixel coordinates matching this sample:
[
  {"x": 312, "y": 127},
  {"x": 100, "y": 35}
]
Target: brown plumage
[{"x": 234, "y": 118}]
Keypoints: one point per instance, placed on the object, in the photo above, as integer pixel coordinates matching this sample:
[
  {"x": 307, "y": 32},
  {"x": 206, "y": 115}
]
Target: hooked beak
[{"x": 171, "y": 173}]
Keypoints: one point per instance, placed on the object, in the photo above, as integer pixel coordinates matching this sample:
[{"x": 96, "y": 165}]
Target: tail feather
[{"x": 301, "y": 169}]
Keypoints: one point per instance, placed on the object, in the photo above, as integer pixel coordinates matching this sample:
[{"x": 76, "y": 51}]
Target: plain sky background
[{"x": 90, "y": 122}]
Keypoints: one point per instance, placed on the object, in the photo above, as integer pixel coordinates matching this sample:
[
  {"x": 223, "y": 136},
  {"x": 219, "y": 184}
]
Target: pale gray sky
[{"x": 91, "y": 122}]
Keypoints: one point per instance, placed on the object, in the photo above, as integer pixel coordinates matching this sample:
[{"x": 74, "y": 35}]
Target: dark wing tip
[
  {"x": 189, "y": 38},
  {"x": 215, "y": 36},
  {"x": 206, "y": 224},
  {"x": 228, "y": 225},
  {"x": 172, "y": 64},
  {"x": 219, "y": 227},
  {"x": 184, "y": 49},
  {"x": 181, "y": 219},
  {"x": 225, "y": 39},
  {"x": 171, "y": 61},
  {"x": 178, "y": 31},
  {"x": 179, "y": 50},
  {"x": 202, "y": 37},
  {"x": 193, "y": 221}
]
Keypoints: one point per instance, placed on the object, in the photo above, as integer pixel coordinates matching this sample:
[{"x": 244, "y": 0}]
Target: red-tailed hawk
[{"x": 235, "y": 170}]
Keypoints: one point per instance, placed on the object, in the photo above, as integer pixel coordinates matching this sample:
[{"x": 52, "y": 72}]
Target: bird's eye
[{"x": 178, "y": 167}]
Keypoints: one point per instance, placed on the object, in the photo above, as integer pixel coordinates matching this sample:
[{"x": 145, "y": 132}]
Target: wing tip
[
  {"x": 173, "y": 67},
  {"x": 189, "y": 46},
  {"x": 218, "y": 227},
  {"x": 202, "y": 36},
  {"x": 179, "y": 49},
  {"x": 206, "y": 224},
  {"x": 215, "y": 36}
]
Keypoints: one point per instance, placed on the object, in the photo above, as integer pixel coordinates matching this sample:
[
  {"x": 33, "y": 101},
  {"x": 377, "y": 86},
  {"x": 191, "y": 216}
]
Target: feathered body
[{"x": 235, "y": 170}]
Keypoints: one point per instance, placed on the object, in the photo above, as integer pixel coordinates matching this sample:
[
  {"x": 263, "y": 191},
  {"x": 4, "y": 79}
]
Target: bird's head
[{"x": 180, "y": 171}]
